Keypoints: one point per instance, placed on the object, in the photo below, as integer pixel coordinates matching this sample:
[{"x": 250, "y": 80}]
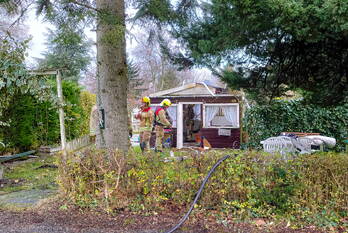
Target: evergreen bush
[
  {"x": 34, "y": 122},
  {"x": 264, "y": 121}
]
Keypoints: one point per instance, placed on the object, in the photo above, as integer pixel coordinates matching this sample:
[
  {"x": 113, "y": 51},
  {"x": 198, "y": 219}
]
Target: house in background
[{"x": 203, "y": 109}]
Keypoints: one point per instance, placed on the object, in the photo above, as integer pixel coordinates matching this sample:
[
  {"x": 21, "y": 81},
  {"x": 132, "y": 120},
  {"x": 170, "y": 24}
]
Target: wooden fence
[
  {"x": 78, "y": 143},
  {"x": 73, "y": 145}
]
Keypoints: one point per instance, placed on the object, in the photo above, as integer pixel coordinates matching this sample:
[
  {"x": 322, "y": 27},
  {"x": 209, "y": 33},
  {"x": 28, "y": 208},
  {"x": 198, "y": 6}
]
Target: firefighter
[
  {"x": 146, "y": 117},
  {"x": 161, "y": 121}
]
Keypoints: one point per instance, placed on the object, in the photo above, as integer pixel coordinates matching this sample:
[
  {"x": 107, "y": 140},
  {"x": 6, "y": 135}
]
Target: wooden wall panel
[{"x": 217, "y": 141}]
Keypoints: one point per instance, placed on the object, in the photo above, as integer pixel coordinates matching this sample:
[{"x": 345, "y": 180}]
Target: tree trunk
[{"x": 112, "y": 74}]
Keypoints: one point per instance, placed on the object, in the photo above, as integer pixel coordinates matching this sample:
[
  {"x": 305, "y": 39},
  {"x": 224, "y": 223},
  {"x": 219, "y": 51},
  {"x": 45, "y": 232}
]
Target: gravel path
[
  {"x": 75, "y": 221},
  {"x": 67, "y": 222},
  {"x": 25, "y": 198},
  {"x": 48, "y": 217}
]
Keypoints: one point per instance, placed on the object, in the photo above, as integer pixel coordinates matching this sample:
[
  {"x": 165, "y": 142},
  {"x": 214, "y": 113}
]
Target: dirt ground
[{"x": 52, "y": 219}]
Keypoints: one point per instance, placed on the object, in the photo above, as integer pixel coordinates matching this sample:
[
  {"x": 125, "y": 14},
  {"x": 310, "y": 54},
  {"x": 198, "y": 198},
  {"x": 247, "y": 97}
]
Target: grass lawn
[{"x": 26, "y": 175}]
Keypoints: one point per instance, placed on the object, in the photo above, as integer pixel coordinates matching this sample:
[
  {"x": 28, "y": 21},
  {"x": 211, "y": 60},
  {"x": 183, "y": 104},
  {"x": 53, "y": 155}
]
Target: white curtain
[
  {"x": 231, "y": 114},
  {"x": 197, "y": 111},
  {"x": 210, "y": 112},
  {"x": 172, "y": 114}
]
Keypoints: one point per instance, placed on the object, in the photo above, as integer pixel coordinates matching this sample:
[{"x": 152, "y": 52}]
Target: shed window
[{"x": 221, "y": 116}]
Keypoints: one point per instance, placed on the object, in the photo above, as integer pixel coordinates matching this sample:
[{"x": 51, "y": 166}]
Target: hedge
[
  {"x": 262, "y": 122},
  {"x": 33, "y": 123},
  {"x": 252, "y": 185}
]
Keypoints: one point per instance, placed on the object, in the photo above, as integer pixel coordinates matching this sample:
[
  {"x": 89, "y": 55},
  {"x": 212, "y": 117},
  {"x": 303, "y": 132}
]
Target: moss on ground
[{"x": 27, "y": 175}]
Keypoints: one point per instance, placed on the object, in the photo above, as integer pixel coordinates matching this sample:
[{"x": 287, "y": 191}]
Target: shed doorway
[{"x": 192, "y": 124}]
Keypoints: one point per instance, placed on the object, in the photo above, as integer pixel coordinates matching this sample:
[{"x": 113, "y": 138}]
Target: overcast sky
[{"x": 38, "y": 30}]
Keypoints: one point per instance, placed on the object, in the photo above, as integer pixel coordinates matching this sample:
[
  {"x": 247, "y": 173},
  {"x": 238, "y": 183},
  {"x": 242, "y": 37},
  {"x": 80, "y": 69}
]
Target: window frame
[{"x": 221, "y": 127}]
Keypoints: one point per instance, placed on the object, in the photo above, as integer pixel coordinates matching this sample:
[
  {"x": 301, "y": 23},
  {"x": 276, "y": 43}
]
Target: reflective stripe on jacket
[{"x": 161, "y": 117}]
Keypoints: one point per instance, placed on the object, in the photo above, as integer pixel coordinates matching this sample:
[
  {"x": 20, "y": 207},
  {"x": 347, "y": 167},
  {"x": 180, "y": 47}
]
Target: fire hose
[{"x": 183, "y": 219}]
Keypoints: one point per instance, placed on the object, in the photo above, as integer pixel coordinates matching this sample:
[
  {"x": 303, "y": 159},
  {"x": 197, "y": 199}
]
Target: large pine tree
[
  {"x": 112, "y": 73},
  {"x": 272, "y": 46}
]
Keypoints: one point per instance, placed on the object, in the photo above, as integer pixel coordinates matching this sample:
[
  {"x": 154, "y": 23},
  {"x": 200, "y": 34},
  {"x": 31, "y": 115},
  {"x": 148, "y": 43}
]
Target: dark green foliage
[
  {"x": 158, "y": 10},
  {"x": 279, "y": 191},
  {"x": 68, "y": 49},
  {"x": 47, "y": 120},
  {"x": 261, "y": 122},
  {"x": 73, "y": 110},
  {"x": 22, "y": 115},
  {"x": 17, "y": 84},
  {"x": 14, "y": 77},
  {"x": 272, "y": 46},
  {"x": 34, "y": 123}
]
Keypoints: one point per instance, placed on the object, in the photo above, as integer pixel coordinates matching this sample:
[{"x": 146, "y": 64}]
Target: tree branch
[
  {"x": 84, "y": 5},
  {"x": 20, "y": 16}
]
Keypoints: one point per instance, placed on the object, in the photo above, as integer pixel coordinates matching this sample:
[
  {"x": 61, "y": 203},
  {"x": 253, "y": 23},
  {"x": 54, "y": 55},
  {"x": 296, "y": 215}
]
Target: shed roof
[{"x": 192, "y": 89}]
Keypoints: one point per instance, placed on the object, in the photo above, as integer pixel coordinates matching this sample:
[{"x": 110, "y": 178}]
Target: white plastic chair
[
  {"x": 303, "y": 144},
  {"x": 281, "y": 144},
  {"x": 285, "y": 145}
]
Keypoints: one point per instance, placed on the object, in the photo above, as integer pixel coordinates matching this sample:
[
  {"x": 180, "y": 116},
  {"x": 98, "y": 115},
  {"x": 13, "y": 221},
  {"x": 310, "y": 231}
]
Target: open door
[{"x": 189, "y": 123}]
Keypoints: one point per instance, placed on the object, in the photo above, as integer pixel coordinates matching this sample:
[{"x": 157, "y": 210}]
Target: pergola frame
[{"x": 58, "y": 75}]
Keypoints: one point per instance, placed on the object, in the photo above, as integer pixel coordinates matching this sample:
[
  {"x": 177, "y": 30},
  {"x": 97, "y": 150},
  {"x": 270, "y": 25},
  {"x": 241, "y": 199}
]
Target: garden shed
[{"x": 203, "y": 110}]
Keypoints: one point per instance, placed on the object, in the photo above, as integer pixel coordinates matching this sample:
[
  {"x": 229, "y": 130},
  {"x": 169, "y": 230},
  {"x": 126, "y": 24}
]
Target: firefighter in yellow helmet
[
  {"x": 161, "y": 121},
  {"x": 146, "y": 117}
]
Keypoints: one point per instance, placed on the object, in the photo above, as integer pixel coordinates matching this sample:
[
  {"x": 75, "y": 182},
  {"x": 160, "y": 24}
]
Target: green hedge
[
  {"x": 262, "y": 122},
  {"x": 252, "y": 185},
  {"x": 34, "y": 123},
  {"x": 21, "y": 113}
]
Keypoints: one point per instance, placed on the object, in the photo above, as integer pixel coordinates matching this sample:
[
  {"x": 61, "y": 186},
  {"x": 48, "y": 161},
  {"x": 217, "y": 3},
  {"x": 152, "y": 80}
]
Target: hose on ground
[{"x": 183, "y": 219}]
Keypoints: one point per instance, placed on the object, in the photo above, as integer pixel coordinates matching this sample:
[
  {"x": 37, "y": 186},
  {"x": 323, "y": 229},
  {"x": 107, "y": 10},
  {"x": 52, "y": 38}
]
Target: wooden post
[
  {"x": 60, "y": 102},
  {"x": 346, "y": 142},
  {"x": 61, "y": 113},
  {"x": 179, "y": 126},
  {"x": 1, "y": 171}
]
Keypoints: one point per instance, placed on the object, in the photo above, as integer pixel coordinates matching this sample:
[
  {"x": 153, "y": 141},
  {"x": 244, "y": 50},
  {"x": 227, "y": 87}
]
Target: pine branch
[
  {"x": 84, "y": 5},
  {"x": 24, "y": 9}
]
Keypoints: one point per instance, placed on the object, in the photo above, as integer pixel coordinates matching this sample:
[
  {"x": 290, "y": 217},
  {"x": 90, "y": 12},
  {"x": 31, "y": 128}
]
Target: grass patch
[{"x": 28, "y": 176}]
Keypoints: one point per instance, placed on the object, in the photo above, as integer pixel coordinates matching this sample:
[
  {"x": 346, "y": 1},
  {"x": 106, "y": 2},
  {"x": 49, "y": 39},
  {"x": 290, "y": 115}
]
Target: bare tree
[
  {"x": 157, "y": 69},
  {"x": 90, "y": 80}
]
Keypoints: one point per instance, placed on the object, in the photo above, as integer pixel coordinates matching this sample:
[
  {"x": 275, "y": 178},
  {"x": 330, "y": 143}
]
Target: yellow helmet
[
  {"x": 146, "y": 100},
  {"x": 166, "y": 103}
]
